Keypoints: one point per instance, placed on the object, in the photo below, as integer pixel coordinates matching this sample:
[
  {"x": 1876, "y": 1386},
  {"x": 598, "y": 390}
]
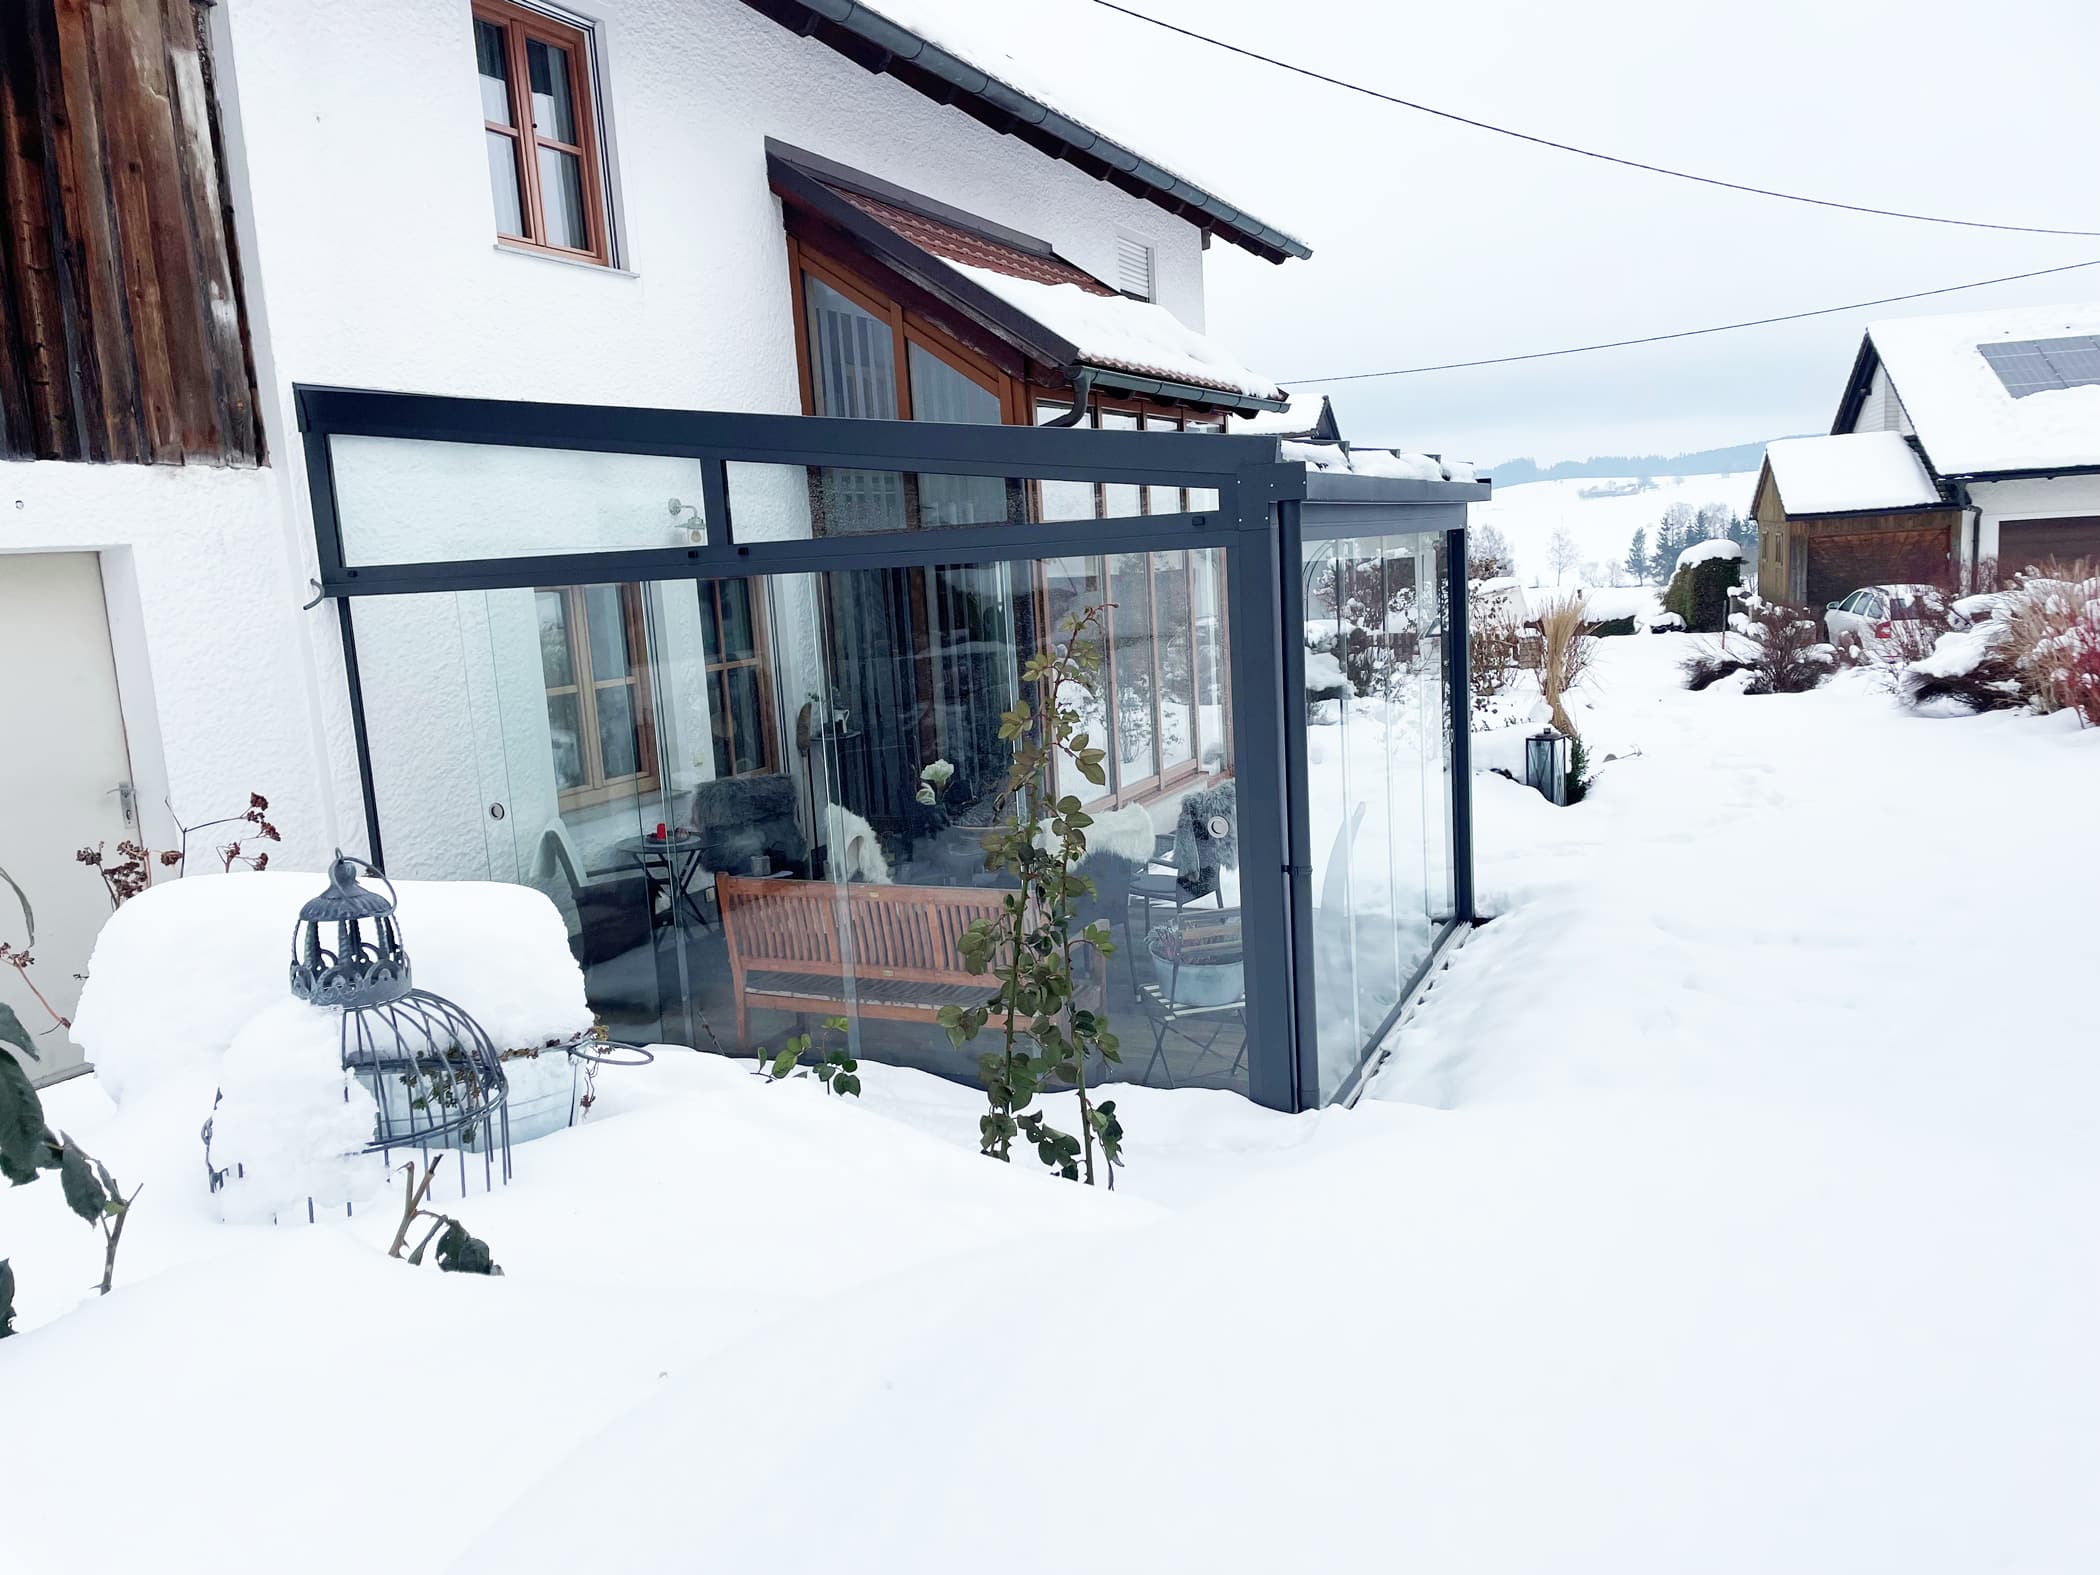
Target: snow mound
[
  {"x": 291, "y": 1123},
  {"x": 181, "y": 969},
  {"x": 1323, "y": 673},
  {"x": 1706, "y": 551}
]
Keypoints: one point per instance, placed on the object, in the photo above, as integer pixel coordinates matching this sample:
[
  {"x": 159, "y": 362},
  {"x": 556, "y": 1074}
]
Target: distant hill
[{"x": 1706, "y": 462}]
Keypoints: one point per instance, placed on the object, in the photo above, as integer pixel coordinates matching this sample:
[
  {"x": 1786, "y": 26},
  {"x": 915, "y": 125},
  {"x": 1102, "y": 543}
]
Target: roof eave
[
  {"x": 1235, "y": 400},
  {"x": 1856, "y": 385},
  {"x": 1006, "y": 109}
]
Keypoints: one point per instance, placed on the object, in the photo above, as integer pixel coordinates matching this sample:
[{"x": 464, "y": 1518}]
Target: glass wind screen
[
  {"x": 756, "y": 803},
  {"x": 1378, "y": 774},
  {"x": 402, "y": 500},
  {"x": 1118, "y": 499}
]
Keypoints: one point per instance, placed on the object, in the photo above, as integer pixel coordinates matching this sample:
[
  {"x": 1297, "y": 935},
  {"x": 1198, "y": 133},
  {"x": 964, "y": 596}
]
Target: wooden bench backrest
[{"x": 898, "y": 932}]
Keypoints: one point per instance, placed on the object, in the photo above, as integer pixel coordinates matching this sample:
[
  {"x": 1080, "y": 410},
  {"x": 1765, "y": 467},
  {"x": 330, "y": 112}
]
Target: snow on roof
[
  {"x": 1396, "y": 463},
  {"x": 1048, "y": 51},
  {"x": 1300, "y": 416},
  {"x": 1702, "y": 551},
  {"x": 1850, "y": 471},
  {"x": 1130, "y": 335},
  {"x": 1964, "y": 415}
]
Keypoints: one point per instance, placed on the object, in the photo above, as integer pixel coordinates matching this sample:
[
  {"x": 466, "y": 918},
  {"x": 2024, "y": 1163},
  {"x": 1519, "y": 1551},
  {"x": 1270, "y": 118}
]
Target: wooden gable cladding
[{"x": 124, "y": 336}]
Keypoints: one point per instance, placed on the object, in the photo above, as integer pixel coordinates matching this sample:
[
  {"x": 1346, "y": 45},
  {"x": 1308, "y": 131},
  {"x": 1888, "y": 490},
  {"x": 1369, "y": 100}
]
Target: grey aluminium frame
[{"x": 1257, "y": 522}]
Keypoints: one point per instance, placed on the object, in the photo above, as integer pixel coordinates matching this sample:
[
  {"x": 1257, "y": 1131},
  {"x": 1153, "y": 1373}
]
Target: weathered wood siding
[{"x": 124, "y": 334}]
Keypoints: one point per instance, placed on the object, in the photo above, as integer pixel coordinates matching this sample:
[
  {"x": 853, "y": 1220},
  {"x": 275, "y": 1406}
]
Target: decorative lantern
[
  {"x": 431, "y": 1069},
  {"x": 357, "y": 972}
]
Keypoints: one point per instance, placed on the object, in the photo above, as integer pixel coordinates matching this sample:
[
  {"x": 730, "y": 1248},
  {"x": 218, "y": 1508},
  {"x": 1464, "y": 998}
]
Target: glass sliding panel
[
  {"x": 1064, "y": 500},
  {"x": 1175, "y": 660},
  {"x": 1118, "y": 499},
  {"x": 1072, "y": 587},
  {"x": 941, "y": 393},
  {"x": 1131, "y": 654},
  {"x": 1375, "y": 723},
  {"x": 1213, "y": 681},
  {"x": 402, "y": 500},
  {"x": 1203, "y": 499}
]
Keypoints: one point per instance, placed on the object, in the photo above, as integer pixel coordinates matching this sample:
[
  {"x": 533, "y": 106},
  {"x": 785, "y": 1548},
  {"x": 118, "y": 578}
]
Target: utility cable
[
  {"x": 1693, "y": 333},
  {"x": 1568, "y": 147}
]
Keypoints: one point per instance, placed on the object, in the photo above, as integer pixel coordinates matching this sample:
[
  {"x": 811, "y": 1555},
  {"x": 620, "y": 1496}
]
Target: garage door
[
  {"x": 1838, "y": 565},
  {"x": 2025, "y": 543}
]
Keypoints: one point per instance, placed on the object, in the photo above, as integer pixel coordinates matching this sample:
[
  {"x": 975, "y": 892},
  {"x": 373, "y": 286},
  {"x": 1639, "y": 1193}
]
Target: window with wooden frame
[
  {"x": 600, "y": 714},
  {"x": 739, "y": 691},
  {"x": 539, "y": 110}
]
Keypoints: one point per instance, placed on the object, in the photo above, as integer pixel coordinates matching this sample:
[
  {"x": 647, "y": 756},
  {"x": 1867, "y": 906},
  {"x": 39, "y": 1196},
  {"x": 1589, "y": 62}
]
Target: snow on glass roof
[
  {"x": 1967, "y": 416},
  {"x": 1130, "y": 335},
  {"x": 1047, "y": 50},
  {"x": 1848, "y": 472}
]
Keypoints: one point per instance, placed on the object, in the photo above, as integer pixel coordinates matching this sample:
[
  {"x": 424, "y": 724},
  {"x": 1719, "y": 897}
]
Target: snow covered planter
[{"x": 187, "y": 997}]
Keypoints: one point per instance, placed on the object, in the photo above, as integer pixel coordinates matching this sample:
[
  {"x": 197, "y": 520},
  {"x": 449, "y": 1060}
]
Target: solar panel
[{"x": 2033, "y": 366}]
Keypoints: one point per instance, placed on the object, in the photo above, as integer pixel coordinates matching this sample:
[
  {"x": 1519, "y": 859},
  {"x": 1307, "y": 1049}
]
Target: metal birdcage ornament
[{"x": 431, "y": 1070}]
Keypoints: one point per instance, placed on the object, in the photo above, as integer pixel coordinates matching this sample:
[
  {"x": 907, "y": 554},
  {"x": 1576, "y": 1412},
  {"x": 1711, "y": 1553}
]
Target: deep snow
[{"x": 1731, "y": 1205}]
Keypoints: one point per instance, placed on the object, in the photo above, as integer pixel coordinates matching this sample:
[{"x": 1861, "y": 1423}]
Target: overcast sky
[{"x": 1434, "y": 242}]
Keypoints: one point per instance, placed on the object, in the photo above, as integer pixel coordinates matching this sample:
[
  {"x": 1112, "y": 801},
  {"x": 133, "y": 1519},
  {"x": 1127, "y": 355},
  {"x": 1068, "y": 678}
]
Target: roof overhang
[
  {"x": 877, "y": 44},
  {"x": 795, "y": 176}
]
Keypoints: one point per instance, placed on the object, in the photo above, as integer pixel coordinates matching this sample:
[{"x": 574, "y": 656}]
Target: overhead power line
[
  {"x": 1569, "y": 147},
  {"x": 1693, "y": 333}
]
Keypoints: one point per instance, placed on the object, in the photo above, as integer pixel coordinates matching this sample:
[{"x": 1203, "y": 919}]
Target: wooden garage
[
  {"x": 1837, "y": 554},
  {"x": 2026, "y": 544},
  {"x": 1837, "y": 513}
]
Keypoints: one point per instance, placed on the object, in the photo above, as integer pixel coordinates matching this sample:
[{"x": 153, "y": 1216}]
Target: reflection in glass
[
  {"x": 503, "y": 183},
  {"x": 493, "y": 63},
  {"x": 1132, "y": 653},
  {"x": 1116, "y": 498},
  {"x": 561, "y": 195},
  {"x": 1175, "y": 658},
  {"x": 941, "y": 393},
  {"x": 553, "y": 111}
]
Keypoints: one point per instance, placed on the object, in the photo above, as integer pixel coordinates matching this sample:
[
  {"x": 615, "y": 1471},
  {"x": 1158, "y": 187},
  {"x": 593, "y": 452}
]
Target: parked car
[{"x": 1872, "y": 615}]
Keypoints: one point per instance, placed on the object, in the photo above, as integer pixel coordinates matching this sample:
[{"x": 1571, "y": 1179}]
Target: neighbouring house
[
  {"x": 1964, "y": 446},
  {"x": 634, "y": 452}
]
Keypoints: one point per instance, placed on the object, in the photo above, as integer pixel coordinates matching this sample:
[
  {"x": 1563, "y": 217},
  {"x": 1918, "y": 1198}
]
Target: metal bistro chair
[{"x": 1192, "y": 988}]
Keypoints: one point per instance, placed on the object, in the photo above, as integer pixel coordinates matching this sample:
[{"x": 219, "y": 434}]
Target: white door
[{"x": 65, "y": 784}]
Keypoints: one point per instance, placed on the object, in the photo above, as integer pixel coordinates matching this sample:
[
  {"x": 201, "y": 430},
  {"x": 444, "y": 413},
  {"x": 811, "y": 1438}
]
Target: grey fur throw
[
  {"x": 738, "y": 818},
  {"x": 1199, "y": 850}
]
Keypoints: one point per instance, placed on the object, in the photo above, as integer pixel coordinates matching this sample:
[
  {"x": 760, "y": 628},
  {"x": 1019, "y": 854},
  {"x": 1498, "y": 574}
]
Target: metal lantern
[
  {"x": 430, "y": 1068},
  {"x": 356, "y": 971}
]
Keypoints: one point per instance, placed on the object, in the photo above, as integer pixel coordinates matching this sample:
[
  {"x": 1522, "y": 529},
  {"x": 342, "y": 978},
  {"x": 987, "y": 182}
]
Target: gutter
[
  {"x": 901, "y": 43},
  {"x": 1238, "y": 401}
]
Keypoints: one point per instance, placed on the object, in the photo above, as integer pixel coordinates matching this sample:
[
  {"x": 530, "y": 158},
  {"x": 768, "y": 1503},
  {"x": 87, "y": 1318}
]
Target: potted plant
[{"x": 1198, "y": 961}]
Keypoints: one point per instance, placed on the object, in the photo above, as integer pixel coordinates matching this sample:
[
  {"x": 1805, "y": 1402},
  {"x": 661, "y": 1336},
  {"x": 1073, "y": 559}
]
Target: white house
[
  {"x": 804, "y": 207},
  {"x": 1960, "y": 441}
]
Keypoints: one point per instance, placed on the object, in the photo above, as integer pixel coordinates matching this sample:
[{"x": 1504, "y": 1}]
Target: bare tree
[{"x": 1562, "y": 552}]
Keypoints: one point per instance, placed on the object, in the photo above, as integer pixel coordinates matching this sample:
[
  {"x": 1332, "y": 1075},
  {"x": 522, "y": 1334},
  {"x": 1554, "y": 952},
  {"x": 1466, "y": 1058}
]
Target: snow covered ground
[
  {"x": 1733, "y": 1205},
  {"x": 1603, "y": 523}
]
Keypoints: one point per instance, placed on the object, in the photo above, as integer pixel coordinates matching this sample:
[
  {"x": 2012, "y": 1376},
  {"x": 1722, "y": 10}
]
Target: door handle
[{"x": 127, "y": 796}]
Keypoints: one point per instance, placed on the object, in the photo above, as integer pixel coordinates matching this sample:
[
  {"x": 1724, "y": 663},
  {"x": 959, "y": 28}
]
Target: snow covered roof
[
  {"x": 1307, "y": 416},
  {"x": 1849, "y": 471},
  {"x": 1025, "y": 70},
  {"x": 1117, "y": 332},
  {"x": 1394, "y": 463},
  {"x": 1970, "y": 422}
]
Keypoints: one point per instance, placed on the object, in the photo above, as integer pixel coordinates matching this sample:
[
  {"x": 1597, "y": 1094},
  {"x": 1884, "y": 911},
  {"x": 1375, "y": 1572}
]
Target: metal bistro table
[{"x": 668, "y": 863}]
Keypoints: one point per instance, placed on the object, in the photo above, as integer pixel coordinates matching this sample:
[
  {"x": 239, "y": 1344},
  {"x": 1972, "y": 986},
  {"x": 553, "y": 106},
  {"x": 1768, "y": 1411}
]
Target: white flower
[
  {"x": 937, "y": 774},
  {"x": 926, "y": 795}
]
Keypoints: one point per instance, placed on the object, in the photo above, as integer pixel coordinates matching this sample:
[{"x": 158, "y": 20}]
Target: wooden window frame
[
  {"x": 717, "y": 673},
  {"x": 597, "y": 787},
  {"x": 521, "y": 24}
]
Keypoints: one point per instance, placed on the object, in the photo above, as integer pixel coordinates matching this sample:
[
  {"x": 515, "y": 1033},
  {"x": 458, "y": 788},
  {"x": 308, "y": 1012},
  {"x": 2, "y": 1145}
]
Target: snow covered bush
[
  {"x": 2035, "y": 645},
  {"x": 1494, "y": 648},
  {"x": 1698, "y": 590}
]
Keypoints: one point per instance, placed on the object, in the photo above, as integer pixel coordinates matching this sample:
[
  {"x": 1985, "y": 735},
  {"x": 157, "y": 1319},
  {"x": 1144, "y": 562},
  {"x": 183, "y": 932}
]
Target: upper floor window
[{"x": 540, "y": 117}]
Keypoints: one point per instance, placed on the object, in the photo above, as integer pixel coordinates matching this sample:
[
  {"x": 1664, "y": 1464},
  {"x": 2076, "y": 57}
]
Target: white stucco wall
[
  {"x": 368, "y": 247},
  {"x": 2036, "y": 498}
]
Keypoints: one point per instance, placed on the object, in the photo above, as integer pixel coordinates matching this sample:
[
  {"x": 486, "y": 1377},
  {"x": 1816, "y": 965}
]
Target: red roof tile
[{"x": 960, "y": 245}]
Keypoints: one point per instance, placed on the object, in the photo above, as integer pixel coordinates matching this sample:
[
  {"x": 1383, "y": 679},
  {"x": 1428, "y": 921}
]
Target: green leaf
[
  {"x": 13, "y": 1033},
  {"x": 28, "y": 916},
  {"x": 84, "y": 1194},
  {"x": 23, "y": 1146}
]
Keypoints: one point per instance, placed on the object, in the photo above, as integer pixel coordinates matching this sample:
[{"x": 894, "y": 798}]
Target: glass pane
[
  {"x": 503, "y": 183},
  {"x": 940, "y": 393},
  {"x": 733, "y": 640},
  {"x": 1118, "y": 499},
  {"x": 747, "y": 719},
  {"x": 1213, "y": 681},
  {"x": 1177, "y": 679},
  {"x": 605, "y": 613},
  {"x": 553, "y": 110},
  {"x": 556, "y": 663},
  {"x": 619, "y": 742},
  {"x": 1162, "y": 500},
  {"x": 1063, "y": 500},
  {"x": 1375, "y": 744},
  {"x": 561, "y": 199},
  {"x": 403, "y": 500},
  {"x": 565, "y": 727},
  {"x": 1071, "y": 587},
  {"x": 1131, "y": 651},
  {"x": 853, "y": 356},
  {"x": 1203, "y": 499},
  {"x": 492, "y": 59}
]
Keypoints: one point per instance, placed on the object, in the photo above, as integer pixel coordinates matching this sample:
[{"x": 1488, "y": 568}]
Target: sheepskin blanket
[
  {"x": 855, "y": 852},
  {"x": 1124, "y": 833},
  {"x": 1200, "y": 851}
]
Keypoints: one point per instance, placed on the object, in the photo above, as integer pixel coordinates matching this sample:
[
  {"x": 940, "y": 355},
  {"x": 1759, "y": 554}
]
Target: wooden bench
[{"x": 787, "y": 950}]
